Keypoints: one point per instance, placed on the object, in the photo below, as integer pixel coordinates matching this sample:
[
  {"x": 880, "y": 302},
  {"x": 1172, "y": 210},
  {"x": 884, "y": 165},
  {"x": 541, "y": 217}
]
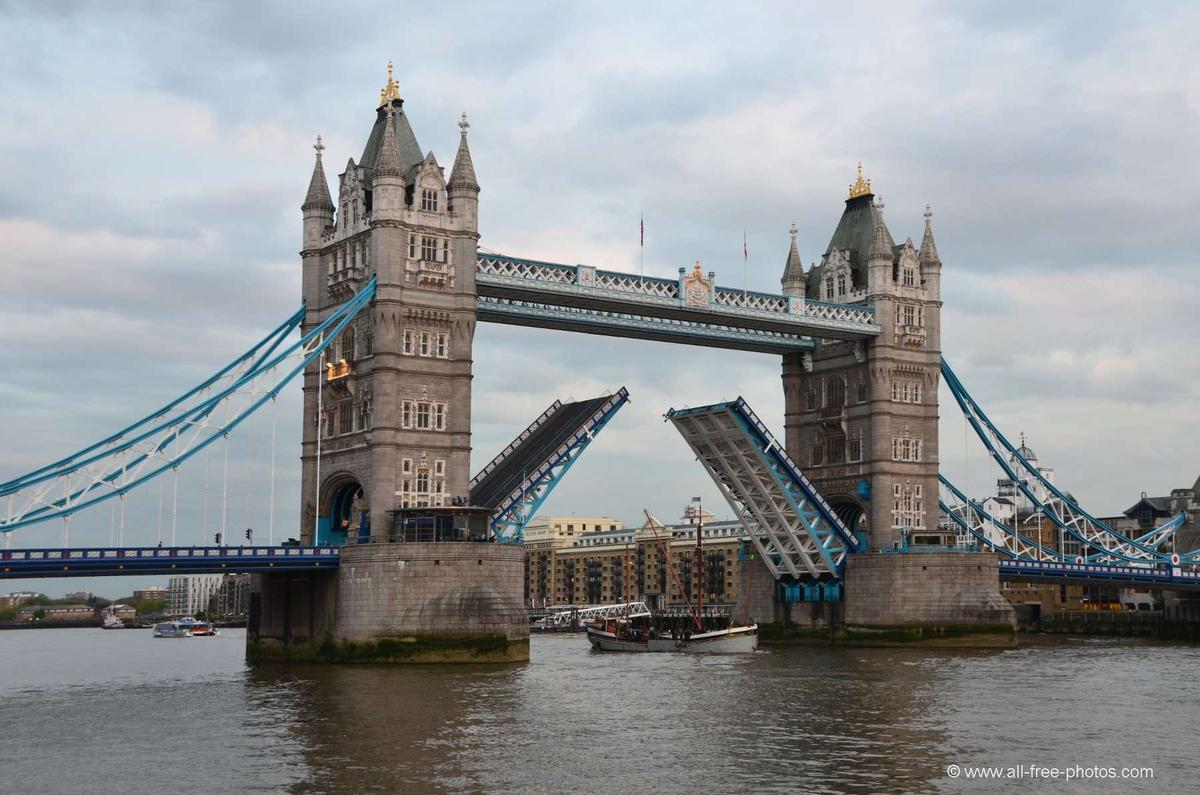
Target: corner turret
[
  {"x": 388, "y": 180},
  {"x": 463, "y": 187},
  {"x": 794, "y": 279},
  {"x": 318, "y": 204}
]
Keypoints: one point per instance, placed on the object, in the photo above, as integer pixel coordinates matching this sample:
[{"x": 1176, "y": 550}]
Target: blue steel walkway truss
[
  {"x": 791, "y": 525},
  {"x": 517, "y": 481}
]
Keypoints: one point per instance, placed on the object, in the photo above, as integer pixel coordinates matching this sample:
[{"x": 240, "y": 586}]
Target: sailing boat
[{"x": 636, "y": 630}]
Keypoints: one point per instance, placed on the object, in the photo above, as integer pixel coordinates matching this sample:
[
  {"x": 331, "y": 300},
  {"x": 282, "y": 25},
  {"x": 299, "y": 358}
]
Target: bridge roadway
[
  {"x": 689, "y": 310},
  {"x": 1170, "y": 578},
  {"x": 115, "y": 561}
]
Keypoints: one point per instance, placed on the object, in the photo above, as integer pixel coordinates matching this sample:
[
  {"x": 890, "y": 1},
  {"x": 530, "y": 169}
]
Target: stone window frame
[
  {"x": 429, "y": 199},
  {"x": 429, "y": 248},
  {"x": 409, "y": 342},
  {"x": 442, "y": 346}
]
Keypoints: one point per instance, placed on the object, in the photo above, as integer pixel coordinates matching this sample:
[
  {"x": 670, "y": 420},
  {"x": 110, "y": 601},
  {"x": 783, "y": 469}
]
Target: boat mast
[{"x": 666, "y": 553}]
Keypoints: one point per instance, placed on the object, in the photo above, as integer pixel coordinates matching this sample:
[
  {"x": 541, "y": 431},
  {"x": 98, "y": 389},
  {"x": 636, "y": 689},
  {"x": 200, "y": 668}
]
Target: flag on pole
[
  {"x": 745, "y": 247},
  {"x": 643, "y": 241}
]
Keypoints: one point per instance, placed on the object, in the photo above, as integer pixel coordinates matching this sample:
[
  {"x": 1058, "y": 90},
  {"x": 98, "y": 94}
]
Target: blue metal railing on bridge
[{"x": 118, "y": 561}]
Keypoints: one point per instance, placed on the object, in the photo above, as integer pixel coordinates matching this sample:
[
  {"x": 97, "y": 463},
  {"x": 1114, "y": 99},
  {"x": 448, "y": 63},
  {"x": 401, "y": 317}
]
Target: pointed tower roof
[
  {"x": 929, "y": 252},
  {"x": 462, "y": 174},
  {"x": 793, "y": 269},
  {"x": 860, "y": 224},
  {"x": 387, "y": 161},
  {"x": 390, "y": 113},
  {"x": 318, "y": 197}
]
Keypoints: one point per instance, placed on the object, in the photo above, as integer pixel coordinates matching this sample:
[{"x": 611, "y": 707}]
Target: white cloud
[{"x": 152, "y": 219}]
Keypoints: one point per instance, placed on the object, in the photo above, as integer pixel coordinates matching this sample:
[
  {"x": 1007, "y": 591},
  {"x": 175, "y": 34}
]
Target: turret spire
[
  {"x": 462, "y": 173},
  {"x": 387, "y": 163},
  {"x": 318, "y": 197},
  {"x": 881, "y": 241},
  {"x": 928, "y": 253},
  {"x": 793, "y": 271}
]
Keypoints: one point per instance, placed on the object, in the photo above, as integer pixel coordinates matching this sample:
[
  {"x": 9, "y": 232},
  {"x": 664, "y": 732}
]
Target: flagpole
[
  {"x": 745, "y": 261},
  {"x": 642, "y": 250}
]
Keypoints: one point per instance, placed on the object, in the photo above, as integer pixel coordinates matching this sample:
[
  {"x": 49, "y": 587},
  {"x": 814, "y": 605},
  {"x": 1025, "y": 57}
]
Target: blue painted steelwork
[
  {"x": 1108, "y": 542},
  {"x": 1025, "y": 548},
  {"x": 120, "y": 561},
  {"x": 265, "y": 345},
  {"x": 96, "y": 487},
  {"x": 794, "y": 529},
  {"x": 514, "y": 512},
  {"x": 1155, "y": 575},
  {"x": 626, "y": 324}
]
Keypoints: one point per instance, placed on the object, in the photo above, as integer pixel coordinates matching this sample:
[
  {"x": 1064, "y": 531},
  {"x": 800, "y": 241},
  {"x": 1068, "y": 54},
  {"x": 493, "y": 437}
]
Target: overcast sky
[{"x": 154, "y": 158}]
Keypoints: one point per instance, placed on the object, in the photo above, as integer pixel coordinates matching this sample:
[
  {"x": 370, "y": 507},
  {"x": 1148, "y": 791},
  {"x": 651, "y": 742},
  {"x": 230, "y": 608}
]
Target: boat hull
[{"x": 736, "y": 640}]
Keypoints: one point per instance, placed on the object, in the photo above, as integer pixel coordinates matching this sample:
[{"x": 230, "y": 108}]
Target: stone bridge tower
[
  {"x": 387, "y": 417},
  {"x": 385, "y": 462},
  {"x": 861, "y": 419}
]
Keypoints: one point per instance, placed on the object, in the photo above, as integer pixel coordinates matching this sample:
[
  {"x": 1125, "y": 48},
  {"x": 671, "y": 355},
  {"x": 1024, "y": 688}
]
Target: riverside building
[{"x": 610, "y": 563}]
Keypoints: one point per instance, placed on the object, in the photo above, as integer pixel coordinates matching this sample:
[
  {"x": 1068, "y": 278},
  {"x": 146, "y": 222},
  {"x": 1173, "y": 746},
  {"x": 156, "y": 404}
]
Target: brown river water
[{"x": 85, "y": 710}]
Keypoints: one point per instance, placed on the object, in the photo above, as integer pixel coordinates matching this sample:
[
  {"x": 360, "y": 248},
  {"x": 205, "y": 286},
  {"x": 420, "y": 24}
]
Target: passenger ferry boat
[
  {"x": 184, "y": 628},
  {"x": 170, "y": 629}
]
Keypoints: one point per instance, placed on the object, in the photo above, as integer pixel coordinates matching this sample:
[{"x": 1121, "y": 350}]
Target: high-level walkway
[{"x": 690, "y": 310}]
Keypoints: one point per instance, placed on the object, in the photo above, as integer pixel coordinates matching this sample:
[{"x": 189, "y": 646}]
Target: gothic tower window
[
  {"x": 443, "y": 345},
  {"x": 835, "y": 447},
  {"x": 429, "y": 200},
  {"x": 829, "y": 288},
  {"x": 841, "y": 284},
  {"x": 412, "y": 246},
  {"x": 835, "y": 393},
  {"x": 812, "y": 399},
  {"x": 429, "y": 249},
  {"x": 909, "y": 277}
]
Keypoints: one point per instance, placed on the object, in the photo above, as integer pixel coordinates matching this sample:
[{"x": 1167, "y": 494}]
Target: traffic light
[
  {"x": 217, "y": 538},
  {"x": 249, "y": 534}
]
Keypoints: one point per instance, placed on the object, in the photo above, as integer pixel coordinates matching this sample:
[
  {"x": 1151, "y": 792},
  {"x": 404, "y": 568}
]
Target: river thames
[{"x": 85, "y": 710}]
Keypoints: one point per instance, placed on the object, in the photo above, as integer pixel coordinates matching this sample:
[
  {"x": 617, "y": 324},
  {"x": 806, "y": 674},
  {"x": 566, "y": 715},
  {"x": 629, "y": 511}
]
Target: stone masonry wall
[
  {"x": 445, "y": 589},
  {"x": 937, "y": 589}
]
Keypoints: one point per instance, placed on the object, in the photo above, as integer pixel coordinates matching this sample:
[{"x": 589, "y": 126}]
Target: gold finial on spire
[
  {"x": 390, "y": 91},
  {"x": 860, "y": 187}
]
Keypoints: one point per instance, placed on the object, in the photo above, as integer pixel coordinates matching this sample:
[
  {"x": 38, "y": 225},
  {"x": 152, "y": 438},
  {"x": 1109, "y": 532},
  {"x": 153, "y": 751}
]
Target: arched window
[
  {"x": 862, "y": 392},
  {"x": 829, "y": 288},
  {"x": 841, "y": 282},
  {"x": 835, "y": 393},
  {"x": 812, "y": 400}
]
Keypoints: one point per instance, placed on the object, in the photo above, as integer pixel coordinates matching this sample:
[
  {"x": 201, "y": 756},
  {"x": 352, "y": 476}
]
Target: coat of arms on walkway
[{"x": 697, "y": 288}]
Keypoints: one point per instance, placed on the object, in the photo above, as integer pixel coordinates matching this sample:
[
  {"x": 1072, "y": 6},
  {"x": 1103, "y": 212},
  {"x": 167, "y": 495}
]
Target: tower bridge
[{"x": 406, "y": 556}]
